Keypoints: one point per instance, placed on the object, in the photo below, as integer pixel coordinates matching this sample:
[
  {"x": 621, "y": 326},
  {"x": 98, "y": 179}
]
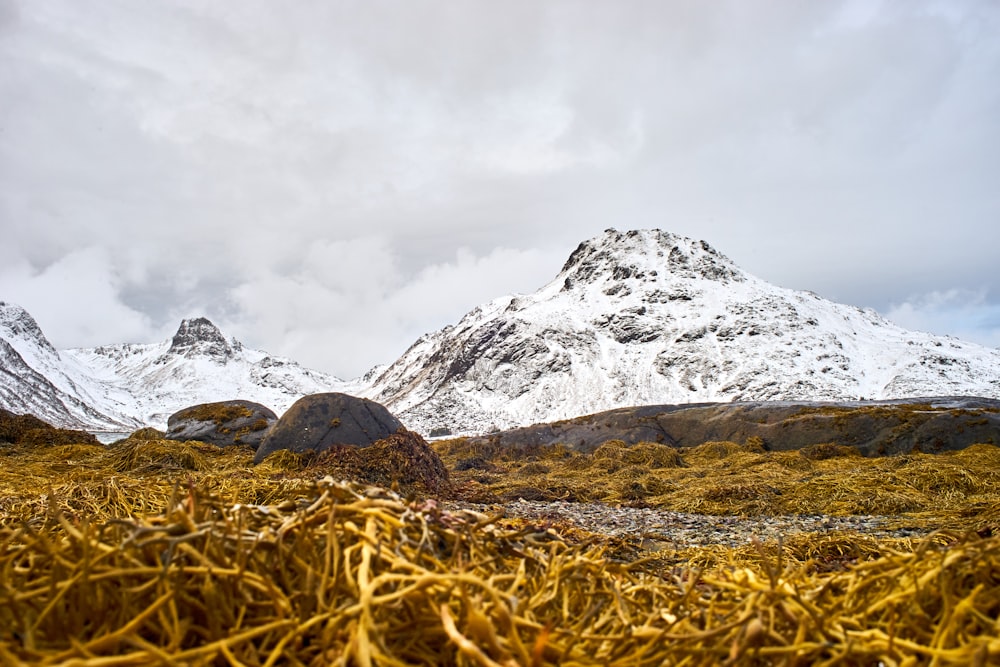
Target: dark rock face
[
  {"x": 223, "y": 424},
  {"x": 608, "y": 255},
  {"x": 874, "y": 428},
  {"x": 321, "y": 421},
  {"x": 199, "y": 336}
]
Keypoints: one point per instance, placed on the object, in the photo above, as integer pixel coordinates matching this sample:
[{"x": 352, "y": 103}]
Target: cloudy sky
[{"x": 329, "y": 179}]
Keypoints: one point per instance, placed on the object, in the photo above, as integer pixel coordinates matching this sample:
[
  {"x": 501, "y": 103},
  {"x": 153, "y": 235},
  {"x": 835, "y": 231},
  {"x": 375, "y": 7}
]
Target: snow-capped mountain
[
  {"x": 35, "y": 378},
  {"x": 199, "y": 365},
  {"x": 122, "y": 387},
  {"x": 650, "y": 317},
  {"x": 643, "y": 317}
]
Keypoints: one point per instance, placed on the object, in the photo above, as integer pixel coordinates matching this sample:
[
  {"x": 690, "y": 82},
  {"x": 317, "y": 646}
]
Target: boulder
[
  {"x": 320, "y": 421},
  {"x": 223, "y": 424}
]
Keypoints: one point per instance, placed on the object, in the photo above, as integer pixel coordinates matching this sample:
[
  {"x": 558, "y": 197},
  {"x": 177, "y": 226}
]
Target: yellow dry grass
[{"x": 132, "y": 555}]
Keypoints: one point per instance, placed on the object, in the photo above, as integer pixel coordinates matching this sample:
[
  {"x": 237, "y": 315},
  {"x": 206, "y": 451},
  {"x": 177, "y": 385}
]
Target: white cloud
[
  {"x": 965, "y": 314},
  {"x": 348, "y": 306},
  {"x": 75, "y": 300},
  {"x": 348, "y": 176}
]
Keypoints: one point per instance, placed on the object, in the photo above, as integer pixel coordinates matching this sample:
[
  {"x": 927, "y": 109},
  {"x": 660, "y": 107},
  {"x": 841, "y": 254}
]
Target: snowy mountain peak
[
  {"x": 649, "y": 317},
  {"x": 17, "y": 326},
  {"x": 644, "y": 255},
  {"x": 633, "y": 318},
  {"x": 199, "y": 337},
  {"x": 121, "y": 386}
]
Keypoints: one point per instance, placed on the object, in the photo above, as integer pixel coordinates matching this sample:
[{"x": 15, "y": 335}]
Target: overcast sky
[{"x": 329, "y": 180}]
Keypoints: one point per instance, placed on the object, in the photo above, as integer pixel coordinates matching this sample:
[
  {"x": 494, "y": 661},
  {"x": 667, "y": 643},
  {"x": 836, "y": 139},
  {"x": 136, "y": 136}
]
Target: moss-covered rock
[{"x": 224, "y": 424}]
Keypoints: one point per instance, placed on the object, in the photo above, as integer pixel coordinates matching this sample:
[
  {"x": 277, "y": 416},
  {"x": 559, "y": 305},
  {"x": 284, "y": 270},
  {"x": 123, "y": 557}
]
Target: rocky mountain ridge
[
  {"x": 36, "y": 379},
  {"x": 633, "y": 318},
  {"x": 125, "y": 386},
  {"x": 649, "y": 317}
]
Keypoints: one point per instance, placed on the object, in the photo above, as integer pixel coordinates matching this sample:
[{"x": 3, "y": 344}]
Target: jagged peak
[
  {"x": 646, "y": 253},
  {"x": 17, "y": 323},
  {"x": 200, "y": 336}
]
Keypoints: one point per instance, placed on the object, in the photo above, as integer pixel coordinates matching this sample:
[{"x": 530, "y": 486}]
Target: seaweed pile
[
  {"x": 949, "y": 490},
  {"x": 360, "y": 576},
  {"x": 159, "y": 552},
  {"x": 138, "y": 475}
]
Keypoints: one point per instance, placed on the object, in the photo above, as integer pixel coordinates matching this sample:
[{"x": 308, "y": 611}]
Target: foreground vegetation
[
  {"x": 155, "y": 552},
  {"x": 955, "y": 490}
]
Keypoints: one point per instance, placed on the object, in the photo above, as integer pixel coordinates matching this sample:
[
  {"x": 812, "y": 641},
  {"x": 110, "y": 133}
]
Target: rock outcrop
[
  {"x": 874, "y": 428},
  {"x": 36, "y": 379},
  {"x": 199, "y": 337},
  {"x": 223, "y": 424},
  {"x": 320, "y": 421}
]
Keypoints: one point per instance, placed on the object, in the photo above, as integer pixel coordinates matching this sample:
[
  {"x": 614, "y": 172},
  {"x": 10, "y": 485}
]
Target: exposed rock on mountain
[
  {"x": 224, "y": 424},
  {"x": 200, "y": 365},
  {"x": 320, "y": 421},
  {"x": 123, "y": 387},
  {"x": 648, "y": 317},
  {"x": 199, "y": 337},
  {"x": 35, "y": 379},
  {"x": 872, "y": 427}
]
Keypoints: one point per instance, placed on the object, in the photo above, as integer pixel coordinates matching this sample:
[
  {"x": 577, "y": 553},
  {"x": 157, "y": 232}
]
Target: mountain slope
[
  {"x": 198, "y": 365},
  {"x": 651, "y": 317},
  {"x": 36, "y": 379},
  {"x": 123, "y": 387},
  {"x": 637, "y": 318}
]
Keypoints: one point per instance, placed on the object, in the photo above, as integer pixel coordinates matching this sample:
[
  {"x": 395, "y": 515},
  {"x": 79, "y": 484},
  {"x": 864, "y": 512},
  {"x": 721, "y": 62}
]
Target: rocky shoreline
[{"x": 664, "y": 529}]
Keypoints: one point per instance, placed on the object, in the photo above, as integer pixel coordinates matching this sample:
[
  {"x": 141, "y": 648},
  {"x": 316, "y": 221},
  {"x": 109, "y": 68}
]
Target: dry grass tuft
[
  {"x": 403, "y": 459},
  {"x": 653, "y": 456},
  {"x": 147, "y": 433},
  {"x": 713, "y": 451},
  {"x": 285, "y": 460}
]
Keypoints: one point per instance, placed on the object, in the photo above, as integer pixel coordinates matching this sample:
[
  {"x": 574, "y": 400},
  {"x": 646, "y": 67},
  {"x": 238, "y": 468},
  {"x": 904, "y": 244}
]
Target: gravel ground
[{"x": 665, "y": 529}]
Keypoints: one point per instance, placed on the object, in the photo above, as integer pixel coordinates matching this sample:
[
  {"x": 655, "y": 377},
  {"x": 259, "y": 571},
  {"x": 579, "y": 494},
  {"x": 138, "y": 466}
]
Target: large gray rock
[
  {"x": 224, "y": 424},
  {"x": 875, "y": 428},
  {"x": 321, "y": 421}
]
